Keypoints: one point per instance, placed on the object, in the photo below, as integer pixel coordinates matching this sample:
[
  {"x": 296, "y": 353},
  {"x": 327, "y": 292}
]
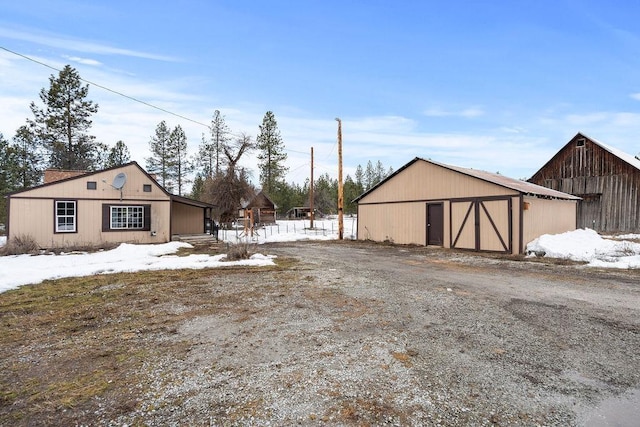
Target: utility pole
[
  {"x": 340, "y": 189},
  {"x": 311, "y": 193}
]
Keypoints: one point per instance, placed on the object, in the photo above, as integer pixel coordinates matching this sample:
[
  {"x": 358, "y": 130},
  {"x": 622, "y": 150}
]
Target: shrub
[
  {"x": 238, "y": 251},
  {"x": 19, "y": 245}
]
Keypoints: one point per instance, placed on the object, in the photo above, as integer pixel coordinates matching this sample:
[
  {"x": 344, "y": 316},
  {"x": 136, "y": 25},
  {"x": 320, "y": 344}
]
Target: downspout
[
  {"x": 8, "y": 208},
  {"x": 521, "y": 231}
]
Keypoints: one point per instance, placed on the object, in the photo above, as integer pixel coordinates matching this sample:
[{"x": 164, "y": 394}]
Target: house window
[
  {"x": 146, "y": 188},
  {"x": 92, "y": 185},
  {"x": 65, "y": 216},
  {"x": 126, "y": 217}
]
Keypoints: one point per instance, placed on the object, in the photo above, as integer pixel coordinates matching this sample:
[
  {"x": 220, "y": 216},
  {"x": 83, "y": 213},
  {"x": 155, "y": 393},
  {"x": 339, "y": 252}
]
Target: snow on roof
[{"x": 618, "y": 153}]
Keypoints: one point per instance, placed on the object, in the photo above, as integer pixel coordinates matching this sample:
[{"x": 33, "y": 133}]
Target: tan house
[
  {"x": 117, "y": 205},
  {"x": 430, "y": 203}
]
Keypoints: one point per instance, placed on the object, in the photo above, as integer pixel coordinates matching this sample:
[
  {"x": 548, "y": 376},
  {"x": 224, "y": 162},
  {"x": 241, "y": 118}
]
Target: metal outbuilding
[{"x": 430, "y": 203}]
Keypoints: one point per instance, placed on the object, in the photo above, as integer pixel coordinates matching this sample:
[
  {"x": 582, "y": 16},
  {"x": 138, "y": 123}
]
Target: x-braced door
[{"x": 482, "y": 224}]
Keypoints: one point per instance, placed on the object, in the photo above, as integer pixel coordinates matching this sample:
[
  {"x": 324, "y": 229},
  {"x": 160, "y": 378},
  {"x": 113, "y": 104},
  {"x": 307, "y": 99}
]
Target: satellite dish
[{"x": 119, "y": 181}]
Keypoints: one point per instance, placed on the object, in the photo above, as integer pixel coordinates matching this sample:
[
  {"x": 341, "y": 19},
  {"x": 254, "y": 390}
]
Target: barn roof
[
  {"x": 618, "y": 153},
  {"x": 523, "y": 187}
]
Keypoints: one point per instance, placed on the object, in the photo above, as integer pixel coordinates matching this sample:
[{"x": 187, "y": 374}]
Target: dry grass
[
  {"x": 19, "y": 245},
  {"x": 74, "y": 350}
]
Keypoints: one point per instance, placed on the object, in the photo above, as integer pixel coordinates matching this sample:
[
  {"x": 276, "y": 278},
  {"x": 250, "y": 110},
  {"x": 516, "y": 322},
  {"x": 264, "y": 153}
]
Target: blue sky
[{"x": 492, "y": 85}]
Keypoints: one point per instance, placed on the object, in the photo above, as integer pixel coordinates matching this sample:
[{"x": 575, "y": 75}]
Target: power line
[
  {"x": 111, "y": 90},
  {"x": 133, "y": 98}
]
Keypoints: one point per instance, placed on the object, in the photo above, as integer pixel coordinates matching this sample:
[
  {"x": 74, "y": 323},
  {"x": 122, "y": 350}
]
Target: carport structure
[{"x": 430, "y": 203}]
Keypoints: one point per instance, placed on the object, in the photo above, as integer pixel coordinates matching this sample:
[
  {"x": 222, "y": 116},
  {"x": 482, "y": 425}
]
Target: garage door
[{"x": 481, "y": 224}]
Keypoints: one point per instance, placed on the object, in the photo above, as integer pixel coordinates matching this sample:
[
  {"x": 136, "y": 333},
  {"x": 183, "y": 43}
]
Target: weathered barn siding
[
  {"x": 606, "y": 180},
  {"x": 481, "y": 211}
]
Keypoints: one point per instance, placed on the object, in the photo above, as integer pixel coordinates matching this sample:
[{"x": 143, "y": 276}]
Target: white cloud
[
  {"x": 84, "y": 61},
  {"x": 68, "y": 43},
  {"x": 635, "y": 96},
  {"x": 466, "y": 113}
]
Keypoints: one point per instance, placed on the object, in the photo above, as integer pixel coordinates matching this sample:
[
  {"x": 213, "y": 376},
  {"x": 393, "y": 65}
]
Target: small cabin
[{"x": 261, "y": 207}]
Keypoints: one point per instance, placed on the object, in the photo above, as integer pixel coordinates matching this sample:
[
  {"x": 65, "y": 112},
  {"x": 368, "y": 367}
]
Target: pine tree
[
  {"x": 7, "y": 175},
  {"x": 62, "y": 125},
  {"x": 380, "y": 173},
  {"x": 369, "y": 176},
  {"x": 161, "y": 161},
  {"x": 28, "y": 158},
  {"x": 219, "y": 139},
  {"x": 101, "y": 155},
  {"x": 359, "y": 179},
  {"x": 271, "y": 154},
  {"x": 325, "y": 192},
  {"x": 118, "y": 155},
  {"x": 197, "y": 189},
  {"x": 351, "y": 192},
  {"x": 179, "y": 166}
]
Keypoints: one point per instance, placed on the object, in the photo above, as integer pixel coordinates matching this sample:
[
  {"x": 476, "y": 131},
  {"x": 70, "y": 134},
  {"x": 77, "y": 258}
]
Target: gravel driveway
[{"x": 367, "y": 334}]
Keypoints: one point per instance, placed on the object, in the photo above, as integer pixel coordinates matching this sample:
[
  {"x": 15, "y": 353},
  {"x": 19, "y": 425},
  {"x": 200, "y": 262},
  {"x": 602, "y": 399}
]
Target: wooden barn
[
  {"x": 119, "y": 205},
  {"x": 430, "y": 203},
  {"x": 263, "y": 210},
  {"x": 606, "y": 179}
]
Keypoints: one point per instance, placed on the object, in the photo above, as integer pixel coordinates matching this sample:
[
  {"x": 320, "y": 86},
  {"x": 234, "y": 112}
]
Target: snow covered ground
[
  {"x": 588, "y": 246},
  {"x": 579, "y": 245}
]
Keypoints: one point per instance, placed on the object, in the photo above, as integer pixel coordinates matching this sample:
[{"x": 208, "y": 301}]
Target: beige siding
[
  {"x": 426, "y": 181},
  {"x": 401, "y": 223},
  {"x": 187, "y": 219},
  {"x": 32, "y": 211},
  {"x": 396, "y": 211},
  {"x": 37, "y": 221},
  {"x": 548, "y": 217},
  {"x": 77, "y": 188},
  {"x": 490, "y": 239},
  {"x": 463, "y": 232}
]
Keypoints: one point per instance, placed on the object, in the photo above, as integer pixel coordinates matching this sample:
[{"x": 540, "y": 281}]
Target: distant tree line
[{"x": 58, "y": 136}]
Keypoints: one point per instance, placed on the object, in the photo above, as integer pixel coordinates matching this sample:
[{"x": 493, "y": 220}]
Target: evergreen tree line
[
  {"x": 58, "y": 137},
  {"x": 325, "y": 190}
]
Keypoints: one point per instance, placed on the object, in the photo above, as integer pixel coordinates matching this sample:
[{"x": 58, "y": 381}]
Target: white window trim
[{"x": 74, "y": 216}]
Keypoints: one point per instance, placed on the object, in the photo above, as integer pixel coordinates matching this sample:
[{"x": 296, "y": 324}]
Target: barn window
[
  {"x": 92, "y": 185},
  {"x": 65, "y": 216},
  {"x": 126, "y": 217},
  {"x": 580, "y": 142}
]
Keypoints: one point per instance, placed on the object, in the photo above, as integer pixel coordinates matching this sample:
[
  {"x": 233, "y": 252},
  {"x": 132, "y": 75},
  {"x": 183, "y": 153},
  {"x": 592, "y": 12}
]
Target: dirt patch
[{"x": 339, "y": 333}]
